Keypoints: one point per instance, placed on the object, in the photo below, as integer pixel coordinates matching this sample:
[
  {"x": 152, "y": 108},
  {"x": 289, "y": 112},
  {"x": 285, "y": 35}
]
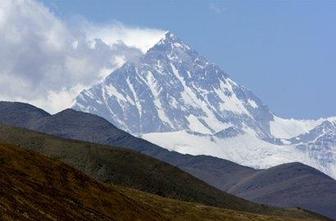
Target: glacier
[{"x": 176, "y": 98}]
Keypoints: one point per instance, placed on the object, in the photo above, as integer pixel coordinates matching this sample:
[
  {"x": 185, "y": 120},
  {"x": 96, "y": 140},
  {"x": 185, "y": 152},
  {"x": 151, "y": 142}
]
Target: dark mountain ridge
[
  {"x": 290, "y": 185},
  {"x": 111, "y": 164},
  {"x": 223, "y": 174}
]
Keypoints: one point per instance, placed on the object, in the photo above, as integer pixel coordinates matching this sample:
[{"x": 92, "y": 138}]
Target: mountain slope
[
  {"x": 128, "y": 168},
  {"x": 34, "y": 187},
  {"x": 20, "y": 114},
  {"x": 288, "y": 185},
  {"x": 87, "y": 127},
  {"x": 220, "y": 173}
]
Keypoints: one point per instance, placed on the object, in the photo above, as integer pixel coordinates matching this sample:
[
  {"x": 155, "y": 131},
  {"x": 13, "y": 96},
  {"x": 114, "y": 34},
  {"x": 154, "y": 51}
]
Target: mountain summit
[
  {"x": 176, "y": 98},
  {"x": 173, "y": 88}
]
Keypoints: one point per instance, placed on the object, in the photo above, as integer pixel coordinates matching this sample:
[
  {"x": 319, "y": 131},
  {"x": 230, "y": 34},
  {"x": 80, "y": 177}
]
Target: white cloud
[
  {"x": 142, "y": 38},
  {"x": 46, "y": 62}
]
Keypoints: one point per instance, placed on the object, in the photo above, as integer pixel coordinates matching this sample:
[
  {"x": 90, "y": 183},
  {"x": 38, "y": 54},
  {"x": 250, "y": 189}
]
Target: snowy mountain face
[
  {"x": 174, "y": 97},
  {"x": 320, "y": 144},
  {"x": 173, "y": 88}
]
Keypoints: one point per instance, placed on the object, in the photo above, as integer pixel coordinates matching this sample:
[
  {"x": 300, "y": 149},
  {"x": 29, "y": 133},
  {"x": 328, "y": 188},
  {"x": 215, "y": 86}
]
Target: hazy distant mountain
[
  {"x": 20, "y": 114},
  {"x": 290, "y": 184},
  {"x": 174, "y": 97},
  {"x": 223, "y": 174}
]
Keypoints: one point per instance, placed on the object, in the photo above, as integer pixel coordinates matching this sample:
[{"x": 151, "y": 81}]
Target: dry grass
[{"x": 34, "y": 187}]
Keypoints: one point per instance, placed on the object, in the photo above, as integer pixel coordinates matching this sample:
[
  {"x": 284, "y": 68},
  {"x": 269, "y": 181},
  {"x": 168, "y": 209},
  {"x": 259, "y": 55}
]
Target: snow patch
[
  {"x": 196, "y": 125},
  {"x": 135, "y": 97},
  {"x": 252, "y": 103},
  {"x": 230, "y": 102},
  {"x": 112, "y": 91},
  {"x": 155, "y": 89},
  {"x": 289, "y": 128}
]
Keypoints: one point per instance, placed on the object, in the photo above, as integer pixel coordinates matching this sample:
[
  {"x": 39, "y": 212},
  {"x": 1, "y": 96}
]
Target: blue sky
[{"x": 284, "y": 51}]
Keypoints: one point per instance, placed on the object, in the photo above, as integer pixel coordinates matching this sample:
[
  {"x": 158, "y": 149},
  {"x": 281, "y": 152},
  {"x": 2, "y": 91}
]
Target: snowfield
[{"x": 245, "y": 149}]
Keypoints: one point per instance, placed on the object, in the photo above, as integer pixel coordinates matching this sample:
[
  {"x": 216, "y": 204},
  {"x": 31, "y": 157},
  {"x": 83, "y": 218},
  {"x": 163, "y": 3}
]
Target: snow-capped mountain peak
[
  {"x": 173, "y": 88},
  {"x": 173, "y": 41},
  {"x": 176, "y": 98}
]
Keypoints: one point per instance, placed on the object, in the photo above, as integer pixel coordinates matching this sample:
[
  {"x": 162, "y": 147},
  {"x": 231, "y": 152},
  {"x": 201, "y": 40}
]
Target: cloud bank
[{"x": 46, "y": 62}]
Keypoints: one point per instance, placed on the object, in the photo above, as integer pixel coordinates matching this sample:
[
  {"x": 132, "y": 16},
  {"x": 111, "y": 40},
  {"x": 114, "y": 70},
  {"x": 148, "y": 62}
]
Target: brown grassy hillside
[{"x": 34, "y": 187}]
